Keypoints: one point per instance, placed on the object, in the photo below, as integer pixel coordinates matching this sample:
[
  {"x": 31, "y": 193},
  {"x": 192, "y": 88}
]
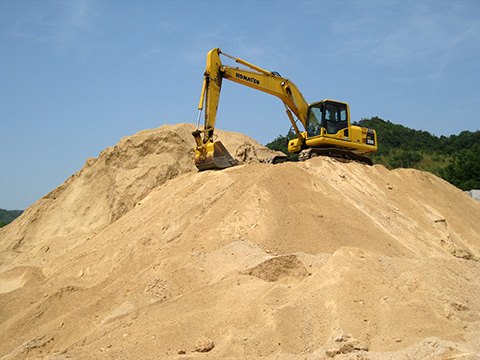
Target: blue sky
[{"x": 77, "y": 76}]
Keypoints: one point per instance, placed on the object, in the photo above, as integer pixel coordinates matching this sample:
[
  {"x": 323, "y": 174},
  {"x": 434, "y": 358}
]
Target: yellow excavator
[{"x": 326, "y": 123}]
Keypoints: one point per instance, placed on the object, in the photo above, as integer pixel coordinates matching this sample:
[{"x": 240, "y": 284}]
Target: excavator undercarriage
[{"x": 337, "y": 153}]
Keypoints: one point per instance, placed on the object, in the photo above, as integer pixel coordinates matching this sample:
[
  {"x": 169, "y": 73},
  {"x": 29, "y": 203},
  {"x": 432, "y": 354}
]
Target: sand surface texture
[{"x": 140, "y": 256}]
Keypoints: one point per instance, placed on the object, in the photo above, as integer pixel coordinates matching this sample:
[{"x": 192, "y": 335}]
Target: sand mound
[
  {"x": 140, "y": 256},
  {"x": 109, "y": 186}
]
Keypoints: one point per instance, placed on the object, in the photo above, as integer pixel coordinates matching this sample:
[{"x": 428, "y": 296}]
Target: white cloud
[
  {"x": 64, "y": 25},
  {"x": 428, "y": 35},
  {"x": 75, "y": 21}
]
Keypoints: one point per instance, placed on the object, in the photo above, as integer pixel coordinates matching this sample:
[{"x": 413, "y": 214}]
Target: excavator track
[
  {"x": 335, "y": 153},
  {"x": 314, "y": 152}
]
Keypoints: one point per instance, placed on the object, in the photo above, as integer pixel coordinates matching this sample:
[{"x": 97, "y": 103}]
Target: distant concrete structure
[{"x": 474, "y": 194}]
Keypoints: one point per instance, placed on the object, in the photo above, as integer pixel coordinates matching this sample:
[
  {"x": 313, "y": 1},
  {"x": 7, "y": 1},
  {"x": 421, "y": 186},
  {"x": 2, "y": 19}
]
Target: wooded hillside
[
  {"x": 7, "y": 216},
  {"x": 455, "y": 158}
]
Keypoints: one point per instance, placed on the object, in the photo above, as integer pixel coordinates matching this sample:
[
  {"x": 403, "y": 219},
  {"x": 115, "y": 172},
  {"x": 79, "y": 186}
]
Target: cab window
[
  {"x": 314, "y": 121},
  {"x": 335, "y": 117}
]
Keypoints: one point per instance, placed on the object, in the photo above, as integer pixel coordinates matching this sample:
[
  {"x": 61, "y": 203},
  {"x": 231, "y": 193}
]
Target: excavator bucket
[{"x": 213, "y": 155}]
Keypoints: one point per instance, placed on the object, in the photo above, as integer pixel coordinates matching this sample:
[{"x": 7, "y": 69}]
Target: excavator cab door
[{"x": 335, "y": 117}]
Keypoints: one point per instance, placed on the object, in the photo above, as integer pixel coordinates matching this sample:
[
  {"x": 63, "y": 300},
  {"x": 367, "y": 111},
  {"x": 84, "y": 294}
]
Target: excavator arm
[{"x": 210, "y": 154}]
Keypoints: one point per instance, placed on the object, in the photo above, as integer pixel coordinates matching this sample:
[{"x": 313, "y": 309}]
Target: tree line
[
  {"x": 455, "y": 158},
  {"x": 7, "y": 216}
]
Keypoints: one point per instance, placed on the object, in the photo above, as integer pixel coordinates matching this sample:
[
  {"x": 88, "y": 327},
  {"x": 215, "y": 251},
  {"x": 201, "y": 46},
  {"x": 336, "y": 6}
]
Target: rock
[
  {"x": 347, "y": 345},
  {"x": 203, "y": 344},
  {"x": 332, "y": 352},
  {"x": 343, "y": 338}
]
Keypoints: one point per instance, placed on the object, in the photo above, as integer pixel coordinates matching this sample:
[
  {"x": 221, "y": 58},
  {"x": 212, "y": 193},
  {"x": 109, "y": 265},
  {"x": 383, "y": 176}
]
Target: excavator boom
[{"x": 210, "y": 154}]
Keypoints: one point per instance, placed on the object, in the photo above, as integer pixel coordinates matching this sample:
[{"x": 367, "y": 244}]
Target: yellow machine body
[{"x": 326, "y": 123}]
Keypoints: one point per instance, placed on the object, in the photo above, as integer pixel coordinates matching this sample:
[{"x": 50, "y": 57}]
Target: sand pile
[{"x": 139, "y": 256}]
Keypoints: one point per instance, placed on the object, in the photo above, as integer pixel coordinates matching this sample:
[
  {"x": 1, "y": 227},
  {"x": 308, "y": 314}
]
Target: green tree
[
  {"x": 464, "y": 170},
  {"x": 405, "y": 159},
  {"x": 7, "y": 216},
  {"x": 280, "y": 143}
]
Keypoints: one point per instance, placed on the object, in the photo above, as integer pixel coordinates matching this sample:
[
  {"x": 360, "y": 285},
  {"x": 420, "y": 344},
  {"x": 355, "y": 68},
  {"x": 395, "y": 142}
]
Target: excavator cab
[
  {"x": 329, "y": 132},
  {"x": 329, "y": 115}
]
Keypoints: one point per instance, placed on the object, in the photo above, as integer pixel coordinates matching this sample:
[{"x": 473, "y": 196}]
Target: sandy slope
[{"x": 138, "y": 255}]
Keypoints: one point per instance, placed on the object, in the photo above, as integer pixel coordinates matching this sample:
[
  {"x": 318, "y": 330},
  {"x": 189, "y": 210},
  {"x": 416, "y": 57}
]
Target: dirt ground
[{"x": 140, "y": 256}]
